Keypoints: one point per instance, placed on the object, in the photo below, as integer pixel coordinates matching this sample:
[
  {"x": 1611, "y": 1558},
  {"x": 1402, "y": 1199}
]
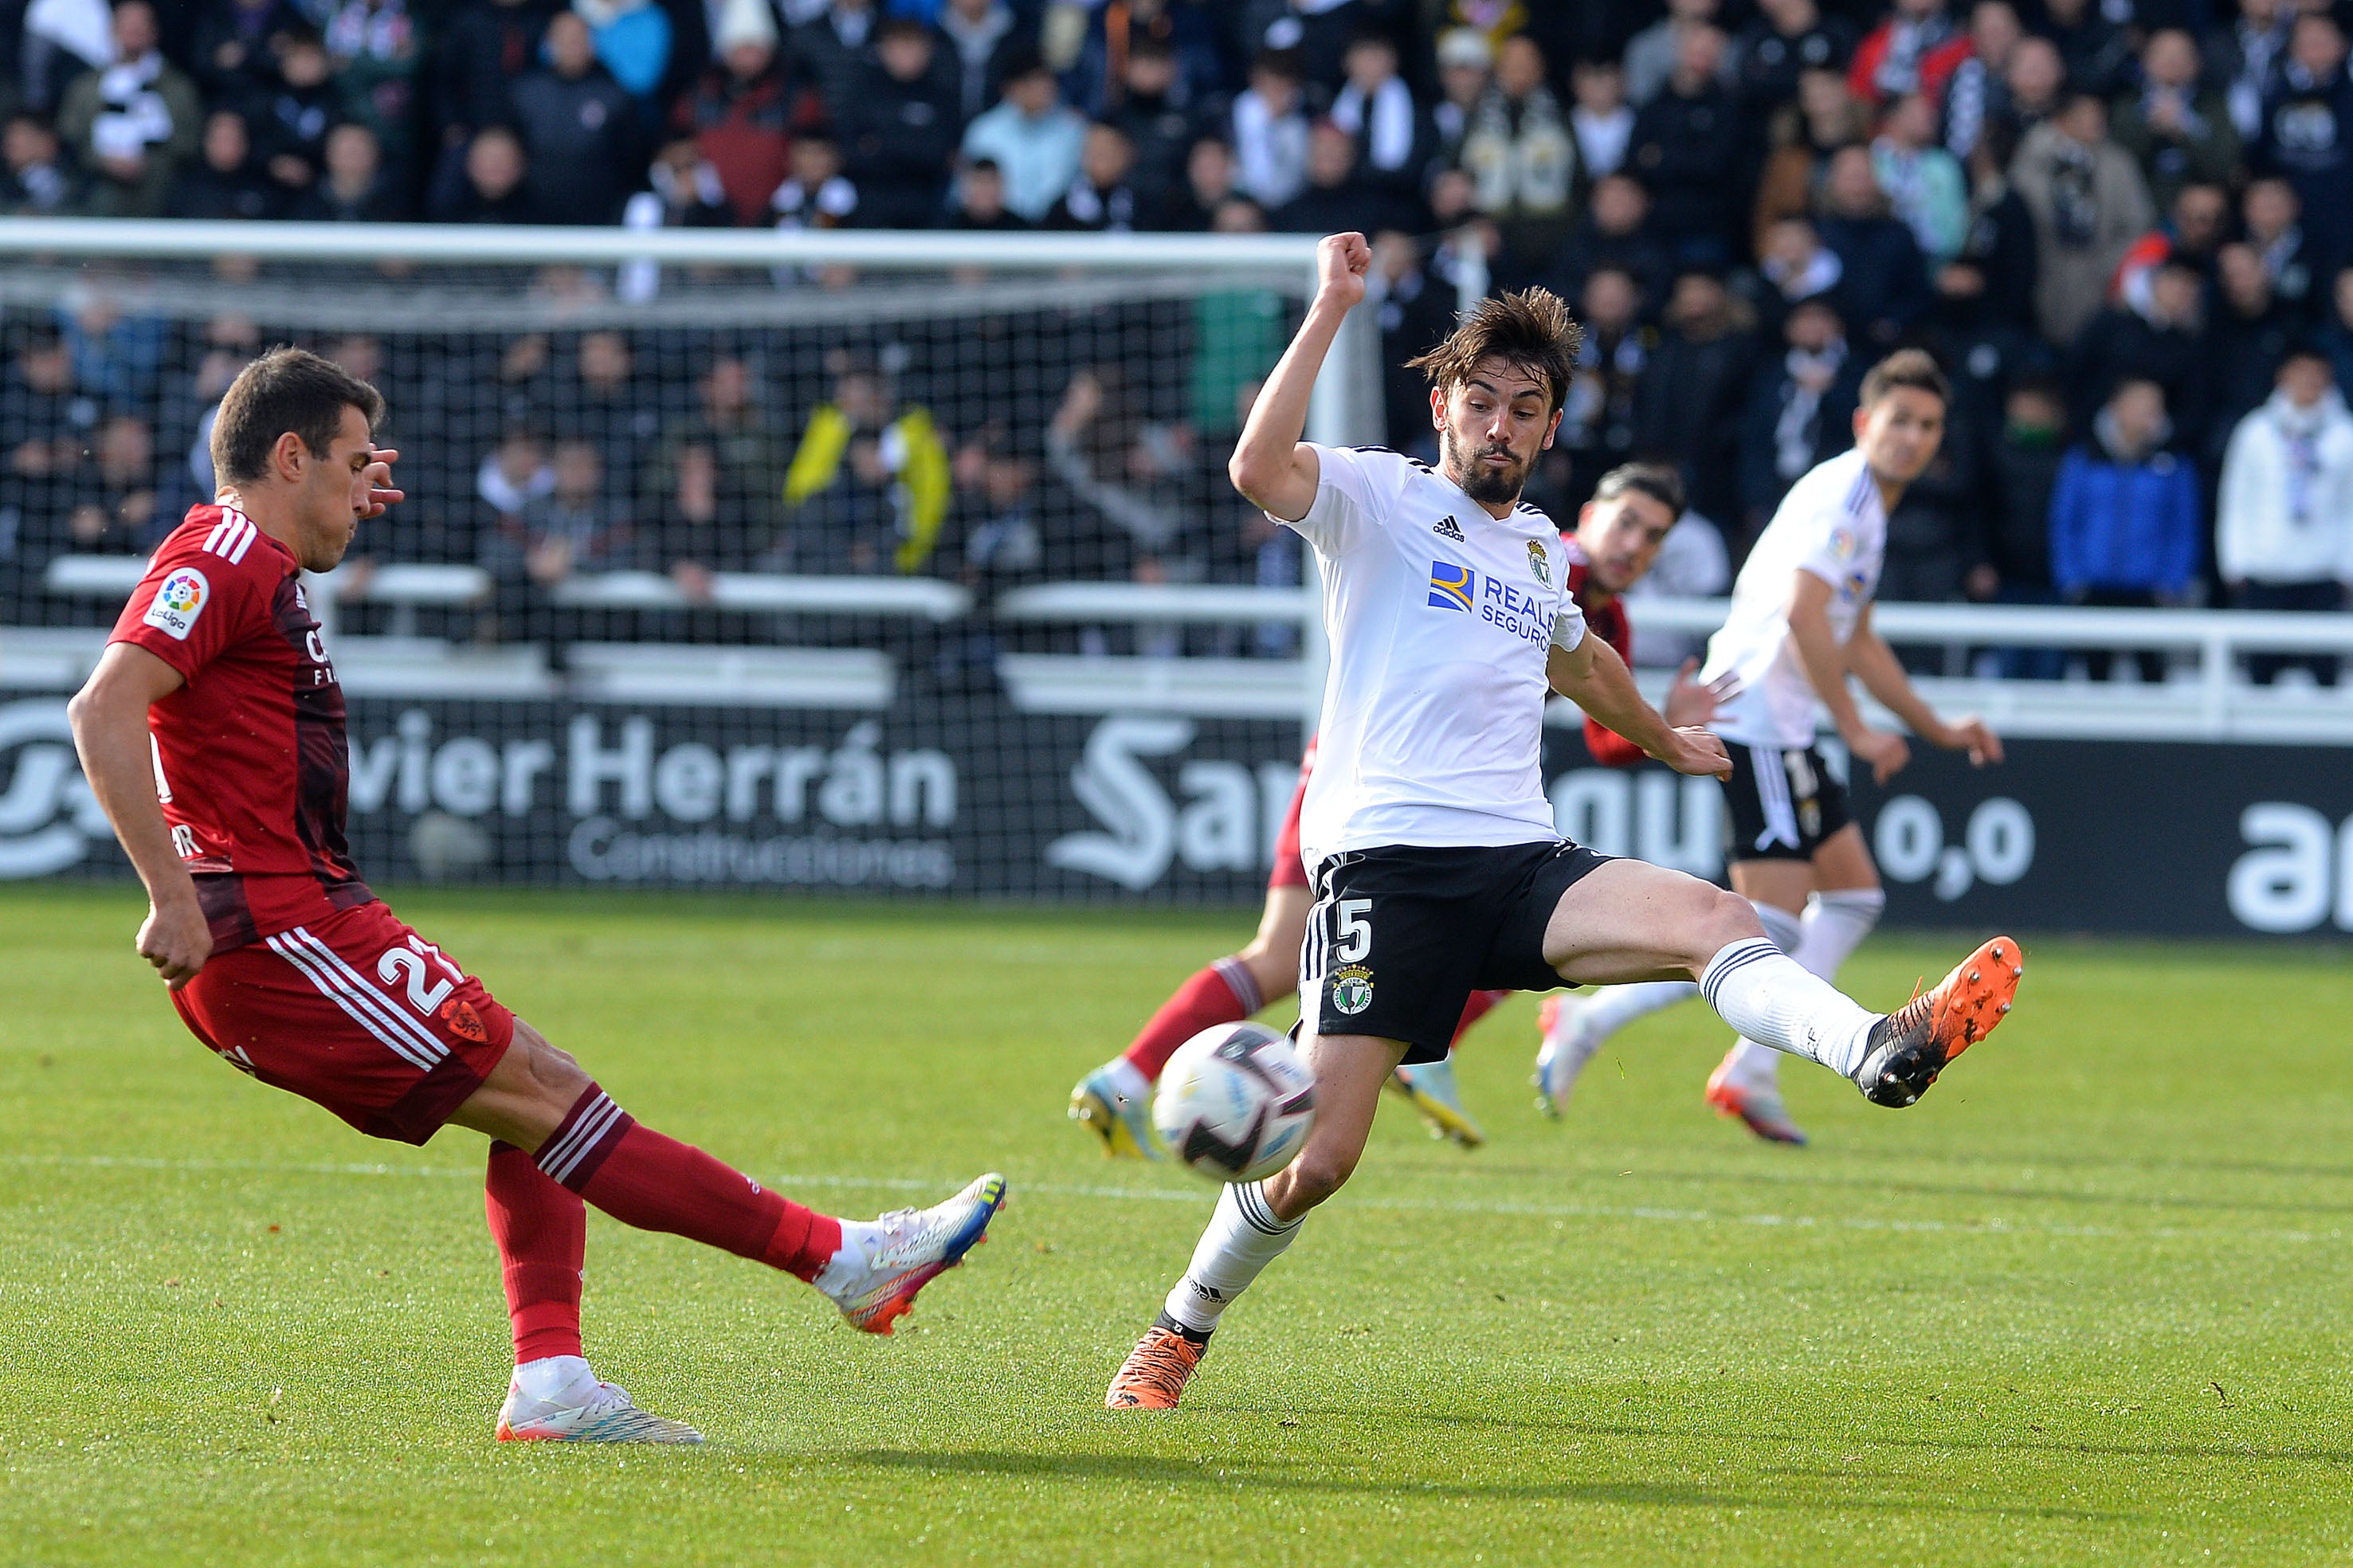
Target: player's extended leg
[
  {"x": 1256, "y": 1222},
  {"x": 1114, "y": 1101},
  {"x": 1430, "y": 1087},
  {"x": 1629, "y": 920},
  {"x": 538, "y": 1099},
  {"x": 1827, "y": 927}
]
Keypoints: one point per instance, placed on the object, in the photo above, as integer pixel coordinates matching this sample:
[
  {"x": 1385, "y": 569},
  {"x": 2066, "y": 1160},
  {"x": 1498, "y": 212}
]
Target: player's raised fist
[{"x": 1342, "y": 260}]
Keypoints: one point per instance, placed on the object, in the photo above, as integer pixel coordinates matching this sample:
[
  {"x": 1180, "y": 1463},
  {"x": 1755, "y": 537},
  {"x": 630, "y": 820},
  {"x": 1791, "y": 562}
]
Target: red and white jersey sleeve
[{"x": 208, "y": 587}]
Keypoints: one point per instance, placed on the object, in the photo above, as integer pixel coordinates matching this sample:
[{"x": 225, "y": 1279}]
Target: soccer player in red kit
[
  {"x": 1616, "y": 540},
  {"x": 212, "y": 732}
]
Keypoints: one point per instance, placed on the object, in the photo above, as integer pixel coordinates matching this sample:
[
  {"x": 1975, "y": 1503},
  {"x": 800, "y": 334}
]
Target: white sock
[
  {"x": 1612, "y": 1007},
  {"x": 1769, "y": 997},
  {"x": 850, "y": 1260},
  {"x": 1785, "y": 929},
  {"x": 550, "y": 1376},
  {"x": 1128, "y": 1079},
  {"x": 1243, "y": 1239},
  {"x": 1833, "y": 926}
]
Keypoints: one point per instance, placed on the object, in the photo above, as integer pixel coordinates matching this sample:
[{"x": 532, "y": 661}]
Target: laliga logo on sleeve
[
  {"x": 179, "y": 601},
  {"x": 48, "y": 818}
]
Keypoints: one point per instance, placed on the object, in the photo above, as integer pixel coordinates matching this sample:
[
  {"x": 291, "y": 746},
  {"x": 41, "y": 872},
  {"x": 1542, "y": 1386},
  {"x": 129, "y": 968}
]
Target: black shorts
[
  {"x": 1400, "y": 936},
  {"x": 1783, "y": 803}
]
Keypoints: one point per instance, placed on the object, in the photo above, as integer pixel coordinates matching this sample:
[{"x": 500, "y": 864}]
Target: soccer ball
[{"x": 1235, "y": 1103}]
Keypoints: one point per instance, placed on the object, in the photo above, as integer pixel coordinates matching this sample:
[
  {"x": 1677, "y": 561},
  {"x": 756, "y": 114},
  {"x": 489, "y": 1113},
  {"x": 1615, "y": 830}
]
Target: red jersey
[
  {"x": 1607, "y": 618},
  {"x": 251, "y": 764}
]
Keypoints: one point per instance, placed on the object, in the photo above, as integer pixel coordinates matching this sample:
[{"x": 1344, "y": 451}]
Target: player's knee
[
  {"x": 1727, "y": 918},
  {"x": 1318, "y": 1174}
]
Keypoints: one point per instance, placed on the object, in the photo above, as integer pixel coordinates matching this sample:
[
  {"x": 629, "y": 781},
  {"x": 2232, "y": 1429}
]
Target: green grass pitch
[{"x": 2086, "y": 1304}]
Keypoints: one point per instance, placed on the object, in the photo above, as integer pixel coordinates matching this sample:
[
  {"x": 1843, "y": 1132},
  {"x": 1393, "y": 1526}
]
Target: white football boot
[{"x": 582, "y": 1410}]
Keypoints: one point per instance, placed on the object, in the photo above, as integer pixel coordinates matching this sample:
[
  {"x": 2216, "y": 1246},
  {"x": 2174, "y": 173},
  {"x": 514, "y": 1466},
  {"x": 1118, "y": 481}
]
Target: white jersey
[
  {"x": 1440, "y": 619},
  {"x": 1832, "y": 524}
]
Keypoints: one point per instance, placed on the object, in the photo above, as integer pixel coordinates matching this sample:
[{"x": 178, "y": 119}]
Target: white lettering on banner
[
  {"x": 1997, "y": 844},
  {"x": 1231, "y": 812},
  {"x": 465, "y": 776},
  {"x": 603, "y": 850},
  {"x": 1655, "y": 817},
  {"x": 2282, "y": 883},
  {"x": 48, "y": 818}
]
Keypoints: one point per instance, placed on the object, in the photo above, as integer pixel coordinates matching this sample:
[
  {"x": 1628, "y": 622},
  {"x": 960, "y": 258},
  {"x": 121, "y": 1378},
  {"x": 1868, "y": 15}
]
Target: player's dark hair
[
  {"x": 1905, "y": 367},
  {"x": 285, "y": 389},
  {"x": 1530, "y": 330},
  {"x": 1657, "y": 480}
]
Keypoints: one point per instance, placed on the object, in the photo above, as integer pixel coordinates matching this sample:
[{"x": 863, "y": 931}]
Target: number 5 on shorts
[{"x": 1354, "y": 930}]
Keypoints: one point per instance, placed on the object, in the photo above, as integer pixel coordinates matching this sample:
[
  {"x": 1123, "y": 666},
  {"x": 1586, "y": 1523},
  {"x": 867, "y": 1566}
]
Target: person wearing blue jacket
[{"x": 2126, "y": 522}]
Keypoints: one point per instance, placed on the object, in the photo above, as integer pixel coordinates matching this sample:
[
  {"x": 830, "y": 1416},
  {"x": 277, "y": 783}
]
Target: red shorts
[
  {"x": 356, "y": 1013},
  {"x": 1290, "y": 871}
]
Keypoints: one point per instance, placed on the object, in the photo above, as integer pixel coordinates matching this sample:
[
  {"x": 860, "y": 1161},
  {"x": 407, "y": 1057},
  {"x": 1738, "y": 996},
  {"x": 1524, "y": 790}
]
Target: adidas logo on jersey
[{"x": 1446, "y": 528}]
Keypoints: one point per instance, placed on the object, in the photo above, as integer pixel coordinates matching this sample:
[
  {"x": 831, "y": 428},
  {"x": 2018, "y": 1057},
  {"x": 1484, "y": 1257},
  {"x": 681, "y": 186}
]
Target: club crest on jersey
[
  {"x": 1539, "y": 563},
  {"x": 1450, "y": 586},
  {"x": 1446, "y": 528},
  {"x": 179, "y": 599},
  {"x": 1351, "y": 989}
]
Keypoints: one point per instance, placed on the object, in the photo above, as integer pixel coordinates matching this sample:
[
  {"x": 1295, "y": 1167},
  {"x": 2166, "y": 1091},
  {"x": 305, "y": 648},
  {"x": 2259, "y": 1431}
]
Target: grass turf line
[{"x": 2084, "y": 1303}]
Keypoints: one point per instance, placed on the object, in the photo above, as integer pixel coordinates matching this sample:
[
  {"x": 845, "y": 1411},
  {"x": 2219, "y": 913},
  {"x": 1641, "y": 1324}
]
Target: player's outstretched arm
[
  {"x": 1273, "y": 471},
  {"x": 1826, "y": 667},
  {"x": 1882, "y": 674},
  {"x": 1592, "y": 676},
  {"x": 109, "y": 716}
]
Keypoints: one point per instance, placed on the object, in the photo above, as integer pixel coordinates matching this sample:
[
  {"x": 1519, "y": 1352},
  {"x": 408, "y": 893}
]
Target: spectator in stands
[
  {"x": 480, "y": 50},
  {"x": 1937, "y": 532},
  {"x": 2243, "y": 60},
  {"x": 44, "y": 432},
  {"x": 998, "y": 541},
  {"x": 1602, "y": 121},
  {"x": 1649, "y": 59},
  {"x": 2176, "y": 130},
  {"x": 2127, "y": 525},
  {"x": 2251, "y": 333},
  {"x": 1802, "y": 138},
  {"x": 2336, "y": 337},
  {"x": 1334, "y": 198},
  {"x": 1689, "y": 401},
  {"x": 2088, "y": 203},
  {"x": 2283, "y": 522},
  {"x": 134, "y": 123},
  {"x": 497, "y": 188},
  {"x": 869, "y": 486},
  {"x": 1797, "y": 266},
  {"x": 900, "y": 133},
  {"x": 741, "y": 111},
  {"x": 1984, "y": 350},
  {"x": 601, "y": 401},
  {"x": 224, "y": 182},
  {"x": 2158, "y": 335},
  {"x": 119, "y": 511},
  {"x": 1883, "y": 281},
  {"x": 1209, "y": 182},
  {"x": 1465, "y": 59},
  {"x": 1521, "y": 156},
  {"x": 1800, "y": 409},
  {"x": 573, "y": 525},
  {"x": 1375, "y": 108},
  {"x": 695, "y": 541},
  {"x": 1190, "y": 35},
  {"x": 1035, "y": 140},
  {"x": 2308, "y": 134},
  {"x": 633, "y": 40},
  {"x": 1156, "y": 113},
  {"x": 1597, "y": 426},
  {"x": 1925, "y": 187},
  {"x": 1417, "y": 311},
  {"x": 37, "y": 180},
  {"x": 835, "y": 45},
  {"x": 376, "y": 51},
  {"x": 2036, "y": 85},
  {"x": 728, "y": 423},
  {"x": 2096, "y": 52},
  {"x": 513, "y": 474},
  {"x": 984, "y": 37},
  {"x": 1615, "y": 233},
  {"x": 816, "y": 193},
  {"x": 1271, "y": 131},
  {"x": 233, "y": 47},
  {"x": 580, "y": 128},
  {"x": 1916, "y": 49},
  {"x": 291, "y": 118},
  {"x": 1977, "y": 97},
  {"x": 1690, "y": 150},
  {"x": 355, "y": 189},
  {"x": 2273, "y": 214},
  {"x": 1102, "y": 199},
  {"x": 1786, "y": 40},
  {"x": 980, "y": 199},
  {"x": 1142, "y": 480},
  {"x": 2017, "y": 566}
]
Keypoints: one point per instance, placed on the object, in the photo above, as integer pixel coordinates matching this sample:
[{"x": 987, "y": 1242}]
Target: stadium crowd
[{"x": 2125, "y": 226}]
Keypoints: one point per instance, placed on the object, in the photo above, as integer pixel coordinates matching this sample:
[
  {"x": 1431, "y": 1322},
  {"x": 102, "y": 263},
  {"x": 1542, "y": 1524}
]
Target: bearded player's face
[
  {"x": 334, "y": 493},
  {"x": 1492, "y": 427}
]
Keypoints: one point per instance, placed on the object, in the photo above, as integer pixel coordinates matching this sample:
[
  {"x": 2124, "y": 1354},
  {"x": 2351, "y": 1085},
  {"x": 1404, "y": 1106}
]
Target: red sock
[
  {"x": 1224, "y": 993},
  {"x": 543, "y": 1236},
  {"x": 1480, "y": 1004},
  {"x": 642, "y": 1178}
]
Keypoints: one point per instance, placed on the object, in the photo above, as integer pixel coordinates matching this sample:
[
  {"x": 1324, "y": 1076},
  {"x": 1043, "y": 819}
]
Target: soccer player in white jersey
[
  {"x": 1800, "y": 625},
  {"x": 1438, "y": 870}
]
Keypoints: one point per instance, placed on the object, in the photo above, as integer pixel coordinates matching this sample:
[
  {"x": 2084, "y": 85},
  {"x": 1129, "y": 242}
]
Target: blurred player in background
[
  {"x": 212, "y": 732},
  {"x": 1799, "y": 625},
  {"x": 1617, "y": 535}
]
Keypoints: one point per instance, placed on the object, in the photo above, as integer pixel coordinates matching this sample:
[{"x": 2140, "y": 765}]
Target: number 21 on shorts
[{"x": 410, "y": 962}]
